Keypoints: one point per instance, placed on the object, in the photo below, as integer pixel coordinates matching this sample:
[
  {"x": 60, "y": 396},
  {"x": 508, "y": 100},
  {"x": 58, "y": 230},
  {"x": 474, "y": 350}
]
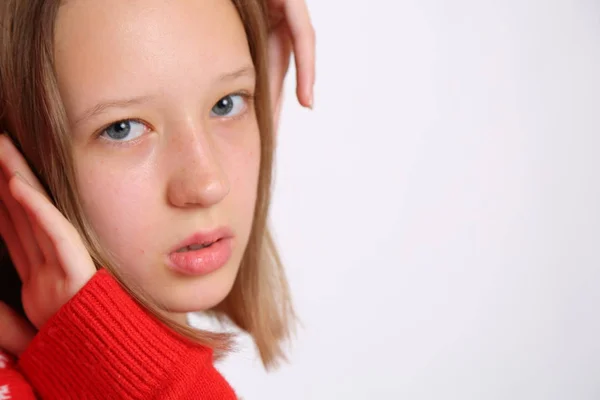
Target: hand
[
  {"x": 15, "y": 332},
  {"x": 290, "y": 26},
  {"x": 47, "y": 251}
]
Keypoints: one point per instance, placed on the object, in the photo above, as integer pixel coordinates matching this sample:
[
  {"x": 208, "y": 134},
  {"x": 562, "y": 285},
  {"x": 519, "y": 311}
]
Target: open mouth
[
  {"x": 196, "y": 247},
  {"x": 202, "y": 253}
]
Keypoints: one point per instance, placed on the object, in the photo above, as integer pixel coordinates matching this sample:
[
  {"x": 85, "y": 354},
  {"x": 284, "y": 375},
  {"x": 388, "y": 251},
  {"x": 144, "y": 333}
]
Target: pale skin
[
  {"x": 182, "y": 167},
  {"x": 181, "y": 162}
]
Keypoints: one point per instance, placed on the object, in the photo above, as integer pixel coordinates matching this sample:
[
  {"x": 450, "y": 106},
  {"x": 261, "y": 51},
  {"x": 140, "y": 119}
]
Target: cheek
[
  {"x": 243, "y": 172},
  {"x": 125, "y": 199},
  {"x": 117, "y": 201}
]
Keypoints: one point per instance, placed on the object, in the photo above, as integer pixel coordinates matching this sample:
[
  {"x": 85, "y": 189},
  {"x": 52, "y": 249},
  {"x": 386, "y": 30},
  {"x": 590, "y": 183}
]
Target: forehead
[{"x": 144, "y": 46}]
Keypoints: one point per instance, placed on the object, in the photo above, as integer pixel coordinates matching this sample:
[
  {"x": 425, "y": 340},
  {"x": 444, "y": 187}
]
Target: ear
[{"x": 280, "y": 50}]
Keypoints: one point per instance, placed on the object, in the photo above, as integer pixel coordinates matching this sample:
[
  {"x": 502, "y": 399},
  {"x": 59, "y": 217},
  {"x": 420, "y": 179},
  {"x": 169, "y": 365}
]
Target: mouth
[
  {"x": 203, "y": 240},
  {"x": 196, "y": 246},
  {"x": 203, "y": 252}
]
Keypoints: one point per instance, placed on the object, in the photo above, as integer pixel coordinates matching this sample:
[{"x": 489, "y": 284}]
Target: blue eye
[
  {"x": 229, "y": 106},
  {"x": 124, "y": 130}
]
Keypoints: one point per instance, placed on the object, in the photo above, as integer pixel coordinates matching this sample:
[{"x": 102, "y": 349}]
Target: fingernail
[{"x": 311, "y": 102}]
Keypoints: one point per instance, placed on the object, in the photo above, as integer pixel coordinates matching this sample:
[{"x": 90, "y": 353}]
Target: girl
[{"x": 149, "y": 133}]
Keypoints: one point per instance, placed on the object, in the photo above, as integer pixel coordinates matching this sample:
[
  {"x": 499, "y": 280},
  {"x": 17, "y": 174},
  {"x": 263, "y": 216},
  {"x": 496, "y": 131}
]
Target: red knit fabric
[
  {"x": 12, "y": 384},
  {"x": 103, "y": 345}
]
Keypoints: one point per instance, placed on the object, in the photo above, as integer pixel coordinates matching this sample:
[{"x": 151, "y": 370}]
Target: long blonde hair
[{"x": 32, "y": 112}]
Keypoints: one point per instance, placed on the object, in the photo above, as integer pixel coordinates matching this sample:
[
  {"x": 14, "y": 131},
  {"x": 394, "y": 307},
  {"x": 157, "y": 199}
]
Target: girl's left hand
[{"x": 291, "y": 27}]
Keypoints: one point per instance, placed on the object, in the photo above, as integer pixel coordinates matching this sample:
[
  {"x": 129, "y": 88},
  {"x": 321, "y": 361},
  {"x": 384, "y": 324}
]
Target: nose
[{"x": 197, "y": 177}]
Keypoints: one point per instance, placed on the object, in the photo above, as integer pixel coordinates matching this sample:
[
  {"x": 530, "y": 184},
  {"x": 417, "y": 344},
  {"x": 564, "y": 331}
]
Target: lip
[
  {"x": 204, "y": 237},
  {"x": 205, "y": 260}
]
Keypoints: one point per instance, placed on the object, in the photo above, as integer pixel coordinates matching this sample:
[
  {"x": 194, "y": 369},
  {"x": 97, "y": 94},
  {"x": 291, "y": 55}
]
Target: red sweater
[{"x": 102, "y": 344}]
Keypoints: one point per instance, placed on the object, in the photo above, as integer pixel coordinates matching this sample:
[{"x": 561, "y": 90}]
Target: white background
[{"x": 439, "y": 211}]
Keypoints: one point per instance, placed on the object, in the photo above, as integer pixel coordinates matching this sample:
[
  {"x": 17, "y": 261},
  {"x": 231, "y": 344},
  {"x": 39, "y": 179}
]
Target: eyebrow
[
  {"x": 102, "y": 107},
  {"x": 247, "y": 71}
]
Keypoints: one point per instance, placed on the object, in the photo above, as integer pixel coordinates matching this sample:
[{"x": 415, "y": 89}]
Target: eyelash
[
  {"x": 118, "y": 143},
  {"x": 248, "y": 97}
]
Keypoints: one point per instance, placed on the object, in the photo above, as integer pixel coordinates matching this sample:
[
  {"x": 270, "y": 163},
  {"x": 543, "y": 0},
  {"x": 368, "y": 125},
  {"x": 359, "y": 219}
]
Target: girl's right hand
[{"x": 46, "y": 249}]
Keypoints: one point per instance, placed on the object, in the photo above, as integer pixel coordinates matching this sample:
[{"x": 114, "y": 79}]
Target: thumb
[{"x": 15, "y": 331}]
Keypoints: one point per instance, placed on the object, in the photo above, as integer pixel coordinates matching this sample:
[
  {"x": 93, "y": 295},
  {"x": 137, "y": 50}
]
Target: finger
[
  {"x": 20, "y": 222},
  {"x": 25, "y": 198},
  {"x": 15, "y": 331},
  {"x": 59, "y": 235},
  {"x": 41, "y": 239},
  {"x": 12, "y": 161},
  {"x": 44, "y": 243},
  {"x": 15, "y": 250},
  {"x": 303, "y": 37}
]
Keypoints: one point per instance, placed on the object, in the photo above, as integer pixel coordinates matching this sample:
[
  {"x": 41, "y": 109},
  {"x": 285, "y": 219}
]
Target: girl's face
[{"x": 166, "y": 143}]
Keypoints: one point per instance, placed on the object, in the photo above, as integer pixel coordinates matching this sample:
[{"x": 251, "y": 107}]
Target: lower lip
[{"x": 203, "y": 261}]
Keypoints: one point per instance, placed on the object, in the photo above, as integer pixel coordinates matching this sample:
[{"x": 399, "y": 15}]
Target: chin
[{"x": 192, "y": 294}]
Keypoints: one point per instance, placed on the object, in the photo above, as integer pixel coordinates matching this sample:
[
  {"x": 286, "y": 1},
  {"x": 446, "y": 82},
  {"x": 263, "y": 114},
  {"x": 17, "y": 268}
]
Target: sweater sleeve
[
  {"x": 13, "y": 385},
  {"x": 103, "y": 345}
]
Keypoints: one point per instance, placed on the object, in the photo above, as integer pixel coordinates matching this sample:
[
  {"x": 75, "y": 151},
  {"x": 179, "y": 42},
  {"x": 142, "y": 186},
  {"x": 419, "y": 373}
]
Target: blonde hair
[{"x": 32, "y": 112}]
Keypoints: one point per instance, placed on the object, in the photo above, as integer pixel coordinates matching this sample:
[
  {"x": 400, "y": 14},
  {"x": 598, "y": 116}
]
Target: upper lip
[{"x": 205, "y": 237}]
